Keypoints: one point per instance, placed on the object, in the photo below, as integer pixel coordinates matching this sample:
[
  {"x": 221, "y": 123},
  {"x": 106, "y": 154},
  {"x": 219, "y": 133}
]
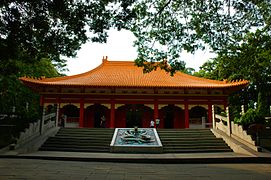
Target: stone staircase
[
  {"x": 191, "y": 141},
  {"x": 99, "y": 139},
  {"x": 80, "y": 140}
]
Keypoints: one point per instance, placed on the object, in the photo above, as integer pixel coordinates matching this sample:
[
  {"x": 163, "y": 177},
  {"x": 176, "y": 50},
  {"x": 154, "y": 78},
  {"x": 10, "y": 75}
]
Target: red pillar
[
  {"x": 210, "y": 115},
  {"x": 155, "y": 113},
  {"x": 81, "y": 118},
  {"x": 41, "y": 100},
  {"x": 186, "y": 114},
  {"x": 112, "y": 115},
  {"x": 57, "y": 111}
]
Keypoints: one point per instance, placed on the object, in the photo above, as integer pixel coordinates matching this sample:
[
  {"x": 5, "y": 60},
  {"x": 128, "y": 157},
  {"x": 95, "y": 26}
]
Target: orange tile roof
[{"x": 126, "y": 74}]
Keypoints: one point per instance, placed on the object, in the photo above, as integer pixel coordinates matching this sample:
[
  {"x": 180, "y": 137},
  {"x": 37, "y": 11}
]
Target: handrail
[
  {"x": 233, "y": 130},
  {"x": 49, "y": 116},
  {"x": 220, "y": 117}
]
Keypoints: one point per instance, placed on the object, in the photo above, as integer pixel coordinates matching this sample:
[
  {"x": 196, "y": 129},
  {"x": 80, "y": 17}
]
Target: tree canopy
[
  {"x": 250, "y": 60},
  {"x": 165, "y": 28},
  {"x": 31, "y": 30}
]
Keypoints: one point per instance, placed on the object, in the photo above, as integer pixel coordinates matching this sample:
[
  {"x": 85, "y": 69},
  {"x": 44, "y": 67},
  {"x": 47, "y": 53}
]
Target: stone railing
[
  {"x": 49, "y": 121},
  {"x": 233, "y": 130},
  {"x": 29, "y": 133},
  {"x": 36, "y": 129},
  {"x": 221, "y": 123},
  {"x": 239, "y": 132}
]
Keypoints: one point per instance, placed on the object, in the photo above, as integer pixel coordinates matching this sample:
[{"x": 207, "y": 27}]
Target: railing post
[
  {"x": 213, "y": 116},
  {"x": 228, "y": 121},
  {"x": 42, "y": 119},
  {"x": 242, "y": 110},
  {"x": 57, "y": 115}
]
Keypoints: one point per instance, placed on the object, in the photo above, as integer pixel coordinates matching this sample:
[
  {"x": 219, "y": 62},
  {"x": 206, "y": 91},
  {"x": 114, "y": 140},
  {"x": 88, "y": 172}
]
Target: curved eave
[{"x": 38, "y": 83}]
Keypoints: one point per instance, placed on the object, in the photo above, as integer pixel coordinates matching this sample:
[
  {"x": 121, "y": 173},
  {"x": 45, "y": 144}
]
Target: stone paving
[{"x": 51, "y": 170}]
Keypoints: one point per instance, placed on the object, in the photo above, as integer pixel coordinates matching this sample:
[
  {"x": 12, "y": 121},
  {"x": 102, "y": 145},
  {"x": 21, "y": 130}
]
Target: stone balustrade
[
  {"x": 233, "y": 130},
  {"x": 36, "y": 129}
]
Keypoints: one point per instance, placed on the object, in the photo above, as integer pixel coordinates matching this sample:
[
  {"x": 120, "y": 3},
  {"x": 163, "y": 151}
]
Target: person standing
[
  {"x": 152, "y": 124},
  {"x": 157, "y": 122},
  {"x": 102, "y": 124}
]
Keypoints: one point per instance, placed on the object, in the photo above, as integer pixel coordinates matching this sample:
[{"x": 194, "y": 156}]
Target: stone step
[
  {"x": 168, "y": 139},
  {"x": 84, "y": 135},
  {"x": 191, "y": 140},
  {"x": 80, "y": 140},
  {"x": 87, "y": 146},
  {"x": 196, "y": 150},
  {"x": 196, "y": 147},
  {"x": 61, "y": 138},
  {"x": 184, "y": 133},
  {"x": 69, "y": 149},
  {"x": 57, "y": 143},
  {"x": 86, "y": 130}
]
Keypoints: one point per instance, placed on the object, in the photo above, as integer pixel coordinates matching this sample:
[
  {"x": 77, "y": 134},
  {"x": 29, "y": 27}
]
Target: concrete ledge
[{"x": 146, "y": 158}]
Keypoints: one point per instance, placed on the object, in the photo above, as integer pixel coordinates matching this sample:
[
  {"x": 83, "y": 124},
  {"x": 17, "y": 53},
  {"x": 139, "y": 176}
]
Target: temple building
[{"x": 119, "y": 93}]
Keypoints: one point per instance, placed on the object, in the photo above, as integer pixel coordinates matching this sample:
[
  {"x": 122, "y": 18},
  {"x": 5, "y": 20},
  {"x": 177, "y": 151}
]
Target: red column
[
  {"x": 186, "y": 114},
  {"x": 81, "y": 118},
  {"x": 112, "y": 115},
  {"x": 155, "y": 112},
  {"x": 41, "y": 100},
  {"x": 210, "y": 115},
  {"x": 57, "y": 110}
]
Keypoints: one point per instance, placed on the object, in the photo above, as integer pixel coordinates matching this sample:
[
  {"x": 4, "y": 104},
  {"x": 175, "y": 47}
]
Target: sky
[{"x": 119, "y": 47}]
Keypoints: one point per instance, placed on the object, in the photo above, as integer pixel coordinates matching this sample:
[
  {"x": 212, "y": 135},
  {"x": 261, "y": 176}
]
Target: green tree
[
  {"x": 209, "y": 70},
  {"x": 251, "y": 60},
  {"x": 32, "y": 30},
  {"x": 165, "y": 28},
  {"x": 15, "y": 94}
]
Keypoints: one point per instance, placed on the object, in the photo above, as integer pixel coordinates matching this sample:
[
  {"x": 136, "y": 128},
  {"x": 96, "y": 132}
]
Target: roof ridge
[
  {"x": 201, "y": 78},
  {"x": 76, "y": 75}
]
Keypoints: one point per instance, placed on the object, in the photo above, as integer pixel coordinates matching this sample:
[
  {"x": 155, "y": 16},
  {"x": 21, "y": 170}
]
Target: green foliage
[
  {"x": 250, "y": 117},
  {"x": 209, "y": 70},
  {"x": 251, "y": 60},
  {"x": 32, "y": 30},
  {"x": 166, "y": 28},
  {"x": 11, "y": 126},
  {"x": 262, "y": 106},
  {"x": 16, "y": 95}
]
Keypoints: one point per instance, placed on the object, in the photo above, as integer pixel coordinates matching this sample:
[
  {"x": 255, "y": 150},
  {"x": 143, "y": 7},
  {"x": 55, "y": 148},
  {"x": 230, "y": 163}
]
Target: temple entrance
[
  {"x": 94, "y": 114},
  {"x": 134, "y": 116},
  {"x": 198, "y": 117},
  {"x": 168, "y": 116},
  {"x": 172, "y": 116},
  {"x": 70, "y": 116}
]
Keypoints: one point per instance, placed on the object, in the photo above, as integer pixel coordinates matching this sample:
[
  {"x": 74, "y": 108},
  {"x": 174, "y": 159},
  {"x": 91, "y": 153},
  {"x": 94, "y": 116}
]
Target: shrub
[
  {"x": 237, "y": 120},
  {"x": 250, "y": 117}
]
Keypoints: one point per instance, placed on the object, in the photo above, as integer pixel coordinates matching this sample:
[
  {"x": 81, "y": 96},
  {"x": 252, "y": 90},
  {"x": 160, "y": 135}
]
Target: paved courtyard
[{"x": 51, "y": 169}]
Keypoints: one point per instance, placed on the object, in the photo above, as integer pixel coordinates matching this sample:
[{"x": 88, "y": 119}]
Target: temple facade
[{"x": 119, "y": 94}]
